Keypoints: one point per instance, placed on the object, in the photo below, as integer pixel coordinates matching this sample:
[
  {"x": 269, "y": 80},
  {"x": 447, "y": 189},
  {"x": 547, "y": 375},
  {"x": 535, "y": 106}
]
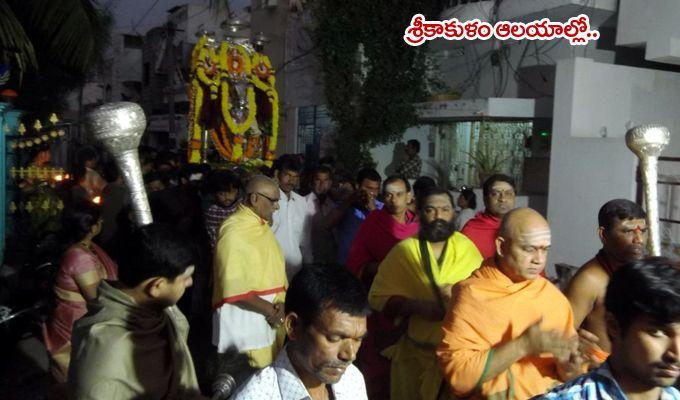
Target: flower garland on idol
[
  {"x": 235, "y": 81},
  {"x": 263, "y": 78},
  {"x": 235, "y": 64},
  {"x": 204, "y": 64}
]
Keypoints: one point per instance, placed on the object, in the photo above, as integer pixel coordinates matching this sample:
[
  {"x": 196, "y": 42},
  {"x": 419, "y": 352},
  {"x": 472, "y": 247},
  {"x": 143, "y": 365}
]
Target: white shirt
[
  {"x": 279, "y": 381},
  {"x": 463, "y": 217},
  {"x": 288, "y": 224},
  {"x": 234, "y": 327}
]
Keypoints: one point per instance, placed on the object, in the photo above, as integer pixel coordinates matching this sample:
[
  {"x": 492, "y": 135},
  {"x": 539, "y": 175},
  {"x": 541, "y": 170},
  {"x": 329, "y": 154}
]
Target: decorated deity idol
[{"x": 234, "y": 103}]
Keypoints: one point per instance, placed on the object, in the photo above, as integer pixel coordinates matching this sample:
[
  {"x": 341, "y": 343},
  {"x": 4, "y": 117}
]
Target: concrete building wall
[
  {"x": 153, "y": 77},
  {"x": 524, "y": 69},
  {"x": 193, "y": 17},
  {"x": 587, "y": 169},
  {"x": 92, "y": 94},
  {"x": 298, "y": 77},
  {"x": 123, "y": 68},
  {"x": 272, "y": 21},
  {"x": 129, "y": 66},
  {"x": 654, "y": 27},
  {"x": 613, "y": 98},
  {"x": 389, "y": 156}
]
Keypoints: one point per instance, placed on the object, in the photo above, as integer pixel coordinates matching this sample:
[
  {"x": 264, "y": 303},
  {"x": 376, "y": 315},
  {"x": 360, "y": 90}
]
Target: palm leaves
[
  {"x": 74, "y": 33},
  {"x": 14, "y": 43}
]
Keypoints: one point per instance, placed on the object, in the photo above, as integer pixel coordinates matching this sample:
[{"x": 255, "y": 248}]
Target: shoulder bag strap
[{"x": 427, "y": 264}]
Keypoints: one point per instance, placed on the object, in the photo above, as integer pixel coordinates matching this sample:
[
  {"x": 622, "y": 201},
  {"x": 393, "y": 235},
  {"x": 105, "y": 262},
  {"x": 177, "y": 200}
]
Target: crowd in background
[{"x": 294, "y": 266}]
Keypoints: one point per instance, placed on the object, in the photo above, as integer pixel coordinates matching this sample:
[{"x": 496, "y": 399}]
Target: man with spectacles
[
  {"x": 250, "y": 279},
  {"x": 499, "y": 199}
]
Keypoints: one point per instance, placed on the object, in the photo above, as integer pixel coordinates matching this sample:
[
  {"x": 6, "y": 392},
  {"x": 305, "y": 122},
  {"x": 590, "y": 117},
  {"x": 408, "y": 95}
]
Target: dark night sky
[{"x": 130, "y": 13}]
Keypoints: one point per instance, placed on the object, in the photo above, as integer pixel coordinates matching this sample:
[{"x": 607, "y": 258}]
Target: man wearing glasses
[
  {"x": 499, "y": 199},
  {"x": 250, "y": 279}
]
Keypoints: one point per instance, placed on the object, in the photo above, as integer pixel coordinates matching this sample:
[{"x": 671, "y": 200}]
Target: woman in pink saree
[{"x": 83, "y": 266}]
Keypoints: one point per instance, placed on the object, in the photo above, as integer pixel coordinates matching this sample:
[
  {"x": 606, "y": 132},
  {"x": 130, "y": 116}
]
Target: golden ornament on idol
[{"x": 228, "y": 82}]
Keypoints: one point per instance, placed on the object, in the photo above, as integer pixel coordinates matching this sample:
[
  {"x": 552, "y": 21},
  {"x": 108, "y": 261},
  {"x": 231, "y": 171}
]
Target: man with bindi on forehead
[
  {"x": 509, "y": 332},
  {"x": 499, "y": 199},
  {"x": 622, "y": 229}
]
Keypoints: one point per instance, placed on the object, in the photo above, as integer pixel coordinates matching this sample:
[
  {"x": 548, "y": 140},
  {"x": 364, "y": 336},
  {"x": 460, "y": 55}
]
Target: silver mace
[
  {"x": 647, "y": 142},
  {"x": 119, "y": 127}
]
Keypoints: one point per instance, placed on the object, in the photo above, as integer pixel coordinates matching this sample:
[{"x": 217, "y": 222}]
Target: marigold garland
[
  {"x": 233, "y": 63},
  {"x": 196, "y": 51},
  {"x": 234, "y": 127},
  {"x": 203, "y": 57},
  {"x": 195, "y": 107},
  {"x": 259, "y": 58},
  {"x": 225, "y": 152},
  {"x": 272, "y": 95},
  {"x": 204, "y": 54}
]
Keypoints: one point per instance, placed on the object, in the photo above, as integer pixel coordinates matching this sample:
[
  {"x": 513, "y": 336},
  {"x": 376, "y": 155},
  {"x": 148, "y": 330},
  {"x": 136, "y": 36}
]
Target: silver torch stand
[
  {"x": 119, "y": 127},
  {"x": 647, "y": 142}
]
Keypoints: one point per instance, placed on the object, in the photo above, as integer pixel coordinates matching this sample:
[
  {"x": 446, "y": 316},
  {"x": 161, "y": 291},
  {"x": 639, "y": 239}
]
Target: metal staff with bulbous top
[
  {"x": 119, "y": 127},
  {"x": 647, "y": 142}
]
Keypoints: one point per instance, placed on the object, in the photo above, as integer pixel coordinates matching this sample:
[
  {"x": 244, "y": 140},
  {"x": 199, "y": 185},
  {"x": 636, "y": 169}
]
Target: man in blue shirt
[
  {"x": 351, "y": 212},
  {"x": 643, "y": 323}
]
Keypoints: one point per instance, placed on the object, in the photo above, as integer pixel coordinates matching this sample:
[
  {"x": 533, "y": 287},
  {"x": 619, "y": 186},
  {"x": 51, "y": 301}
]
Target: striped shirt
[
  {"x": 214, "y": 216},
  {"x": 280, "y": 381},
  {"x": 598, "y": 384}
]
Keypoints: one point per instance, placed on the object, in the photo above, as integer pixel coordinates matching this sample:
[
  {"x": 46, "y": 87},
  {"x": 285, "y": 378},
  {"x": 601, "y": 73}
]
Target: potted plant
[{"x": 486, "y": 161}]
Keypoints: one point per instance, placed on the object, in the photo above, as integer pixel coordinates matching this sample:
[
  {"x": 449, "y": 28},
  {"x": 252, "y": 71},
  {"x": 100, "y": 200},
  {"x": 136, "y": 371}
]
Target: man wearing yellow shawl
[
  {"x": 414, "y": 281},
  {"x": 250, "y": 278},
  {"x": 509, "y": 333}
]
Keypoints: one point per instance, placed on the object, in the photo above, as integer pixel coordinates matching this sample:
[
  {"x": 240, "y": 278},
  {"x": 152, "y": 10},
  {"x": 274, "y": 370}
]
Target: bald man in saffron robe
[{"x": 509, "y": 332}]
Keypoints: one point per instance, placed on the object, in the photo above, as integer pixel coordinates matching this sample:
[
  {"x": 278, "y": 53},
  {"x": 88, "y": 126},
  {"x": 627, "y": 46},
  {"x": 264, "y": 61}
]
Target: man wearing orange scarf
[{"x": 509, "y": 333}]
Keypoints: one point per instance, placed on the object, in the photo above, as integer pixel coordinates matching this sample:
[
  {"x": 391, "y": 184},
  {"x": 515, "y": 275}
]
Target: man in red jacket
[{"x": 499, "y": 199}]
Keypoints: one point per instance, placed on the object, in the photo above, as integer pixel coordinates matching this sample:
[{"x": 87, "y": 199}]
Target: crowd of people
[{"x": 318, "y": 286}]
